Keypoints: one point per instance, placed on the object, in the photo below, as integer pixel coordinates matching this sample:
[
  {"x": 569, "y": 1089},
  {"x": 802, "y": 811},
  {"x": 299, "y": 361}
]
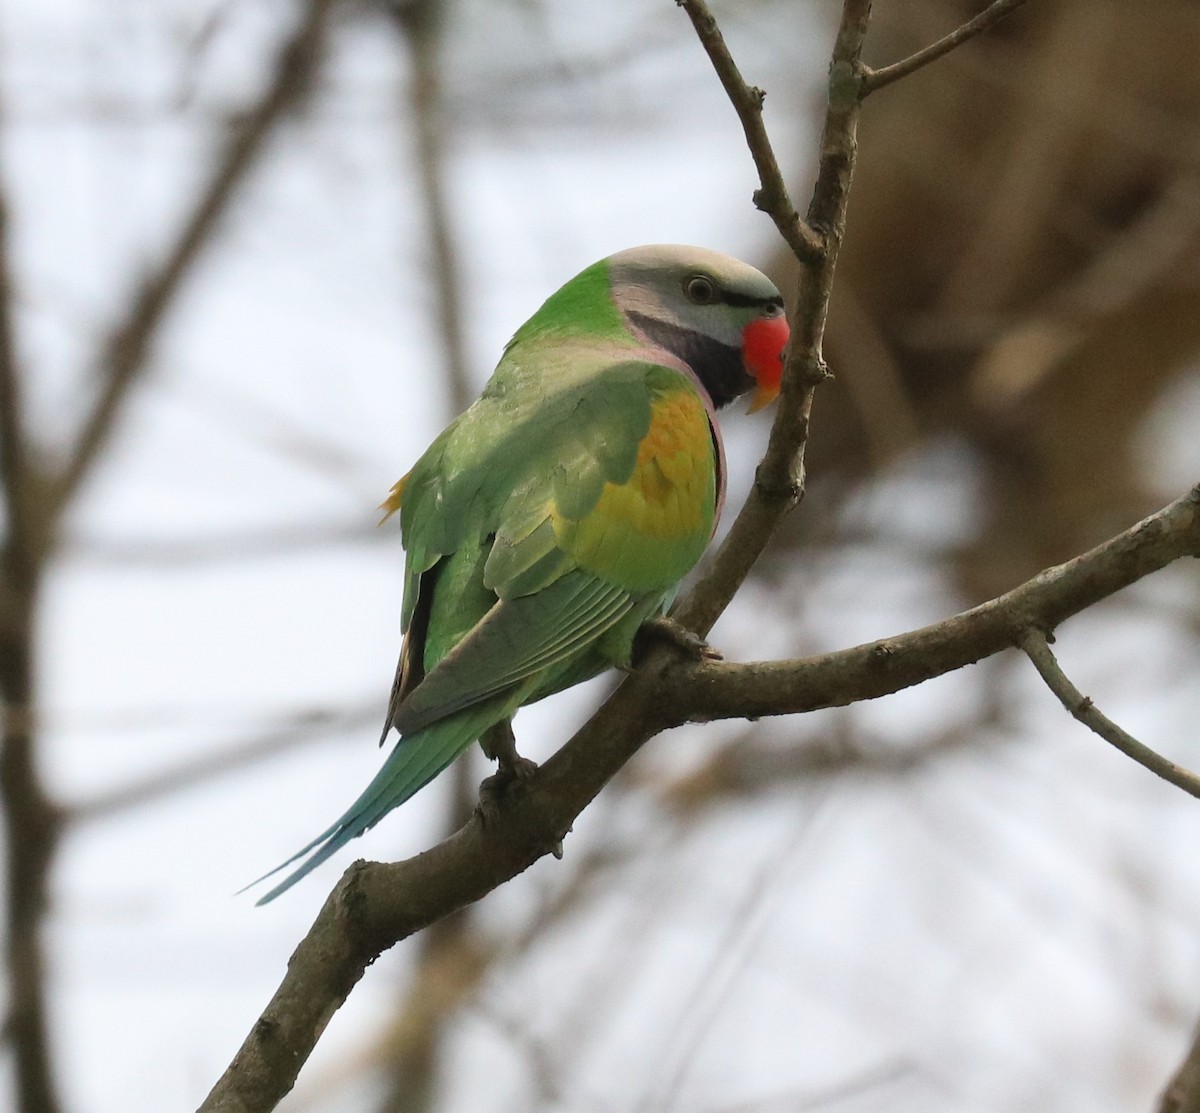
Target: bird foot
[
  {"x": 500, "y": 744},
  {"x": 495, "y": 788},
  {"x": 689, "y": 643}
]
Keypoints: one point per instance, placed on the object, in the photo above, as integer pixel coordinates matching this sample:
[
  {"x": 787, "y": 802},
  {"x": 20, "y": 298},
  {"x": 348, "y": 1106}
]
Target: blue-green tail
[{"x": 412, "y": 764}]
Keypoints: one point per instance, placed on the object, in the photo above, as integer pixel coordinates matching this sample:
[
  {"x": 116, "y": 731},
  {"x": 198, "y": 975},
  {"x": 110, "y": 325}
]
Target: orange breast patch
[
  {"x": 647, "y": 533},
  {"x": 673, "y": 474}
]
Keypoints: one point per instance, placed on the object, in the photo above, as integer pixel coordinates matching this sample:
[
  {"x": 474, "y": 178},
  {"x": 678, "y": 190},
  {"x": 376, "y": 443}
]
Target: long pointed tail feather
[{"x": 412, "y": 764}]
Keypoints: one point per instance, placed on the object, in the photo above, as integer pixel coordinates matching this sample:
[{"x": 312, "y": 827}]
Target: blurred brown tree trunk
[{"x": 1020, "y": 268}]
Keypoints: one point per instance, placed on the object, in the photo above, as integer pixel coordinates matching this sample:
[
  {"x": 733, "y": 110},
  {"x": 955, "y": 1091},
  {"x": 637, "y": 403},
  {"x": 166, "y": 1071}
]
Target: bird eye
[{"x": 700, "y": 290}]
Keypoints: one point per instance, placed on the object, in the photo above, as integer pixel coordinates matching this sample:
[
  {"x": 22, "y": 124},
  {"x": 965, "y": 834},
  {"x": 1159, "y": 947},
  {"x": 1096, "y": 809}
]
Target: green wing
[{"x": 540, "y": 522}]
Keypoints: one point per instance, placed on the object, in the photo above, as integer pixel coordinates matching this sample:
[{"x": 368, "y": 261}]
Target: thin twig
[
  {"x": 992, "y": 14},
  {"x": 772, "y": 197},
  {"x": 235, "y": 545},
  {"x": 779, "y": 480},
  {"x": 732, "y": 950},
  {"x": 289, "y": 734},
  {"x": 1037, "y": 649},
  {"x": 421, "y": 23}
]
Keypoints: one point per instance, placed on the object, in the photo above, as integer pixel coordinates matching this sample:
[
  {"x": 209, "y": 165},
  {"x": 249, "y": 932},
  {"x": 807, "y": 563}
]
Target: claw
[{"x": 691, "y": 644}]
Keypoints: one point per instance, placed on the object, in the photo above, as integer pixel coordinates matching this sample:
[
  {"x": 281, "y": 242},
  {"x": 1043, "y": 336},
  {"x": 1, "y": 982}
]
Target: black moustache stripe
[
  {"x": 718, "y": 366},
  {"x": 746, "y": 301}
]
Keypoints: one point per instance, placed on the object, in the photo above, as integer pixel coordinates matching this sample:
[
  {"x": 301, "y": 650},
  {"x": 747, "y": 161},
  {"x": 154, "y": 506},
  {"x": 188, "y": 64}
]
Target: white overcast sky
[{"x": 298, "y": 378}]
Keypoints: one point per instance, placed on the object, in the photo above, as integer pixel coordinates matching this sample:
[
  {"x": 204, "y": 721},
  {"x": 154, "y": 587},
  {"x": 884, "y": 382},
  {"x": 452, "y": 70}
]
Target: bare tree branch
[
  {"x": 214, "y": 547},
  {"x": 31, "y": 829},
  {"x": 1037, "y": 648},
  {"x": 30, "y": 821},
  {"x": 772, "y": 198},
  {"x": 374, "y": 905},
  {"x": 420, "y": 21},
  {"x": 724, "y": 690},
  {"x": 992, "y": 14},
  {"x": 779, "y": 480},
  {"x": 305, "y": 727}
]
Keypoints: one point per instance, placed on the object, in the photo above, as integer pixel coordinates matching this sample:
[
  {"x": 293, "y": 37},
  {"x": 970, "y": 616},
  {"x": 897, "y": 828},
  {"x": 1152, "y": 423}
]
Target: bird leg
[
  {"x": 500, "y": 744},
  {"x": 686, "y": 641}
]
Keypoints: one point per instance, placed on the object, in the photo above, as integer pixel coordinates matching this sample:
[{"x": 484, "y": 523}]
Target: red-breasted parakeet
[{"x": 563, "y": 508}]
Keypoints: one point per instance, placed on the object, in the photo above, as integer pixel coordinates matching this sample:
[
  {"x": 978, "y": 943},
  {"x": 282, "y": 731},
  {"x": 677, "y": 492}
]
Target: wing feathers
[
  {"x": 516, "y": 640},
  {"x": 617, "y": 512}
]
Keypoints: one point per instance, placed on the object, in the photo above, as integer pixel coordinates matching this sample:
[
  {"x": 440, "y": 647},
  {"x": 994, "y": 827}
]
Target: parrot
[{"x": 560, "y": 511}]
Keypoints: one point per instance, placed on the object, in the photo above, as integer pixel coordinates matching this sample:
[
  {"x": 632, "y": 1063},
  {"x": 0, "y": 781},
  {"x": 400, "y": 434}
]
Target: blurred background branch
[
  {"x": 37, "y": 494},
  {"x": 985, "y": 909},
  {"x": 124, "y": 354}
]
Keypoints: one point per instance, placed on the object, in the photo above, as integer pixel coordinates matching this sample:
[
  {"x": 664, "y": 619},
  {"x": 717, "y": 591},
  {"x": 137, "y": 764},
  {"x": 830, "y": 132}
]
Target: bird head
[{"x": 720, "y": 316}]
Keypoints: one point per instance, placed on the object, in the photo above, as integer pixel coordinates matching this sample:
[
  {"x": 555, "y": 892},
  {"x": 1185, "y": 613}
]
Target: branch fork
[{"x": 1035, "y": 644}]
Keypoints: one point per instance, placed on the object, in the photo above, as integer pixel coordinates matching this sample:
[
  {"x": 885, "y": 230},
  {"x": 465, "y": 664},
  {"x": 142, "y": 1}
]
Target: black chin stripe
[{"x": 718, "y": 366}]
